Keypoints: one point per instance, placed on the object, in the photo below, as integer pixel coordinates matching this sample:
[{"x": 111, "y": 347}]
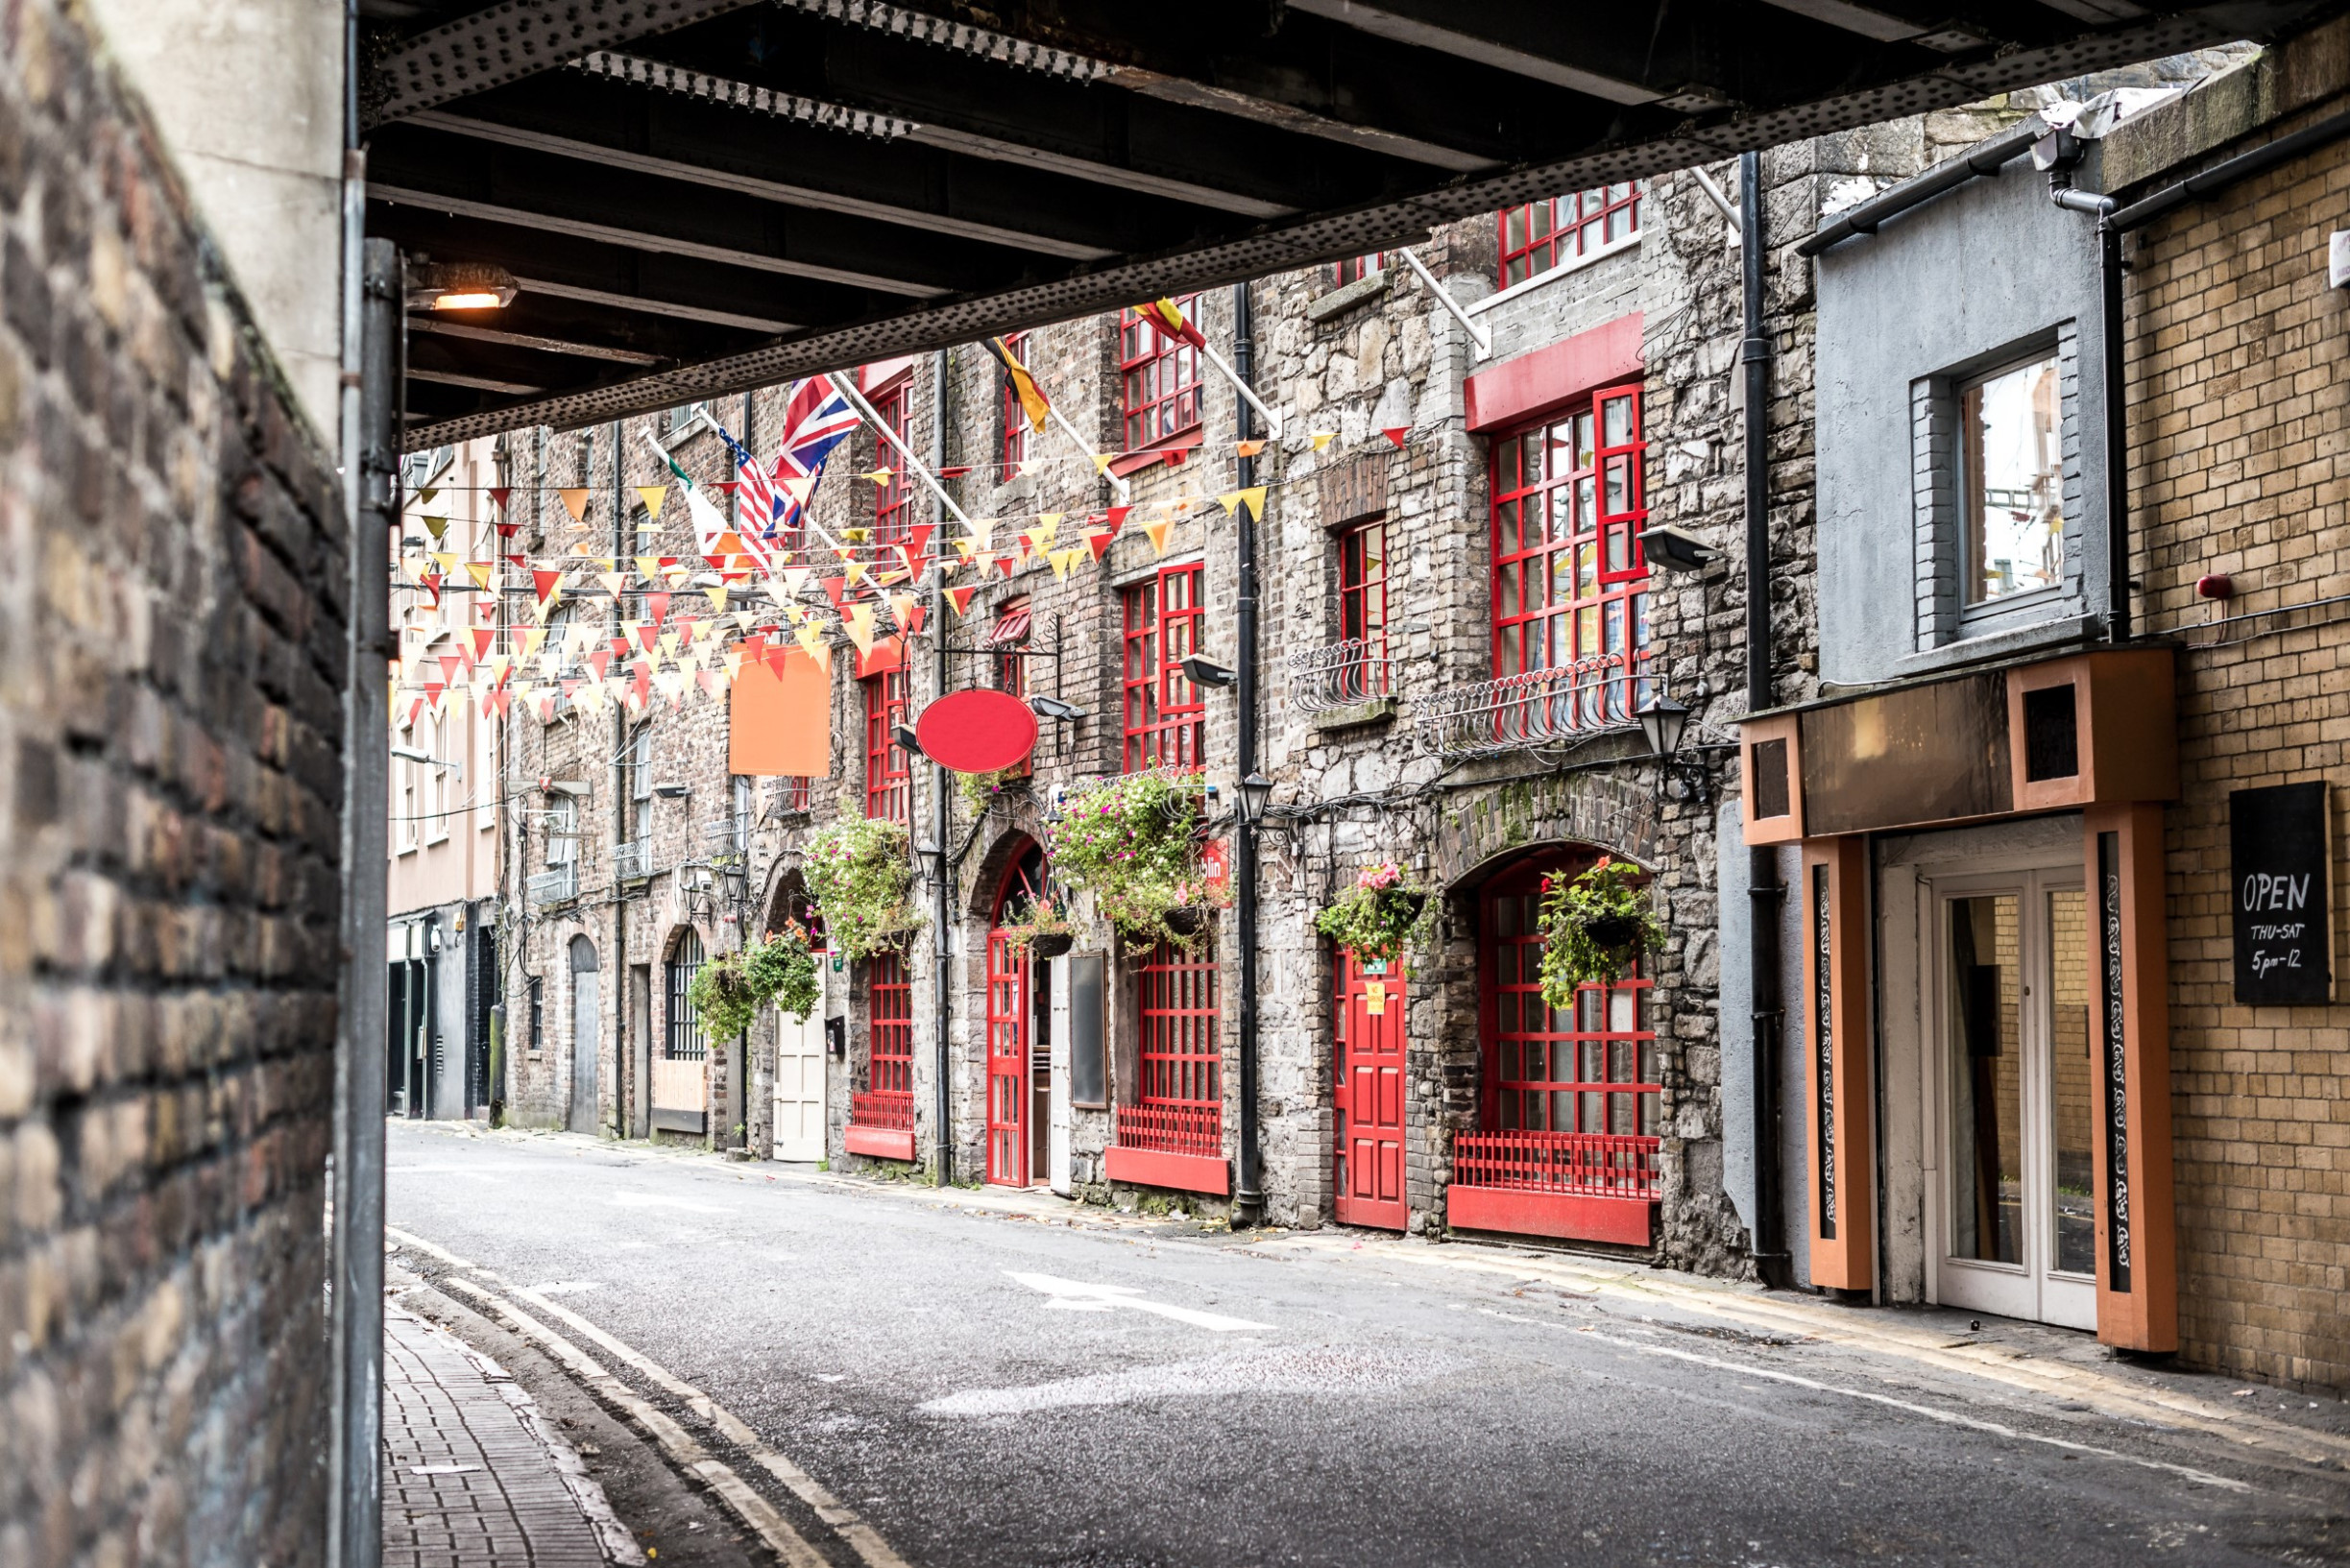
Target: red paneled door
[
  {"x": 1370, "y": 1169},
  {"x": 1008, "y": 1062}
]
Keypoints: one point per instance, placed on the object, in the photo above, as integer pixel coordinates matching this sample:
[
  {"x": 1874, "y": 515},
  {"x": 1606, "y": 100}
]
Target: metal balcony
[
  {"x": 633, "y": 862},
  {"x": 728, "y": 836},
  {"x": 557, "y": 884},
  {"x": 1540, "y": 707},
  {"x": 1340, "y": 675}
]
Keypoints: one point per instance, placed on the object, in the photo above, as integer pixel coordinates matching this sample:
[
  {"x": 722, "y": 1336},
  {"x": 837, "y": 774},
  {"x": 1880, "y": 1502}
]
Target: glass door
[{"x": 2016, "y": 1085}]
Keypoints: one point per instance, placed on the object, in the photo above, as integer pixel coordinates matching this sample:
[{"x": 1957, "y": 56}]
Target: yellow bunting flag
[
  {"x": 575, "y": 501},
  {"x": 425, "y": 498},
  {"x": 983, "y": 533},
  {"x": 1103, "y": 461},
  {"x": 652, "y": 496},
  {"x": 436, "y": 527},
  {"x": 718, "y": 599},
  {"x": 1061, "y": 562},
  {"x": 1322, "y": 438},
  {"x": 649, "y": 566},
  {"x": 1156, "y": 532},
  {"x": 669, "y": 644},
  {"x": 479, "y": 571},
  {"x": 811, "y": 643},
  {"x": 880, "y": 475},
  {"x": 855, "y": 572},
  {"x": 533, "y": 638},
  {"x": 614, "y": 582},
  {"x": 1048, "y": 524},
  {"x": 860, "y": 624},
  {"x": 446, "y": 560},
  {"x": 901, "y": 606},
  {"x": 1253, "y": 498},
  {"x": 798, "y": 490}
]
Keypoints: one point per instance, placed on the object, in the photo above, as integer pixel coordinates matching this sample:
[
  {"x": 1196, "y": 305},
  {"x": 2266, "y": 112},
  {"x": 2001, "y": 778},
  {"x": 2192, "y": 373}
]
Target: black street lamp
[
  {"x": 1255, "y": 791},
  {"x": 1662, "y": 719},
  {"x": 932, "y": 860}
]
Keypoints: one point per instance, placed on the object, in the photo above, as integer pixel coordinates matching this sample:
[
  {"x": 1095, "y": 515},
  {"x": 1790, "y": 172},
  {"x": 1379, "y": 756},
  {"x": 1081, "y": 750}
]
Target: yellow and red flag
[
  {"x": 1168, "y": 317},
  {"x": 1032, "y": 399}
]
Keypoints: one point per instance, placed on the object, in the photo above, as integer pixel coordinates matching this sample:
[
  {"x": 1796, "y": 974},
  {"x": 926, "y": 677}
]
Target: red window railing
[
  {"x": 888, "y": 1101},
  {"x": 886, "y": 1109},
  {"x": 1585, "y": 1164},
  {"x": 1172, "y": 1129},
  {"x": 1180, "y": 1108}
]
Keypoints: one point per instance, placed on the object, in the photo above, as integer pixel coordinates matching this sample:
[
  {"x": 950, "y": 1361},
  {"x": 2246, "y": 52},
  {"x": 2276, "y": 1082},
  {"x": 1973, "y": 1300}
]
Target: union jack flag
[{"x": 817, "y": 418}]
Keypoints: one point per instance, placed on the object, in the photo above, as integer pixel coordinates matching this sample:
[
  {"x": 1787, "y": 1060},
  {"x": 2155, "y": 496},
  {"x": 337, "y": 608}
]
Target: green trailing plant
[
  {"x": 722, "y": 997},
  {"x": 1593, "y": 927},
  {"x": 1375, "y": 917},
  {"x": 861, "y": 877},
  {"x": 978, "y": 791},
  {"x": 784, "y": 969},
  {"x": 1046, "y": 930},
  {"x": 1134, "y": 844}
]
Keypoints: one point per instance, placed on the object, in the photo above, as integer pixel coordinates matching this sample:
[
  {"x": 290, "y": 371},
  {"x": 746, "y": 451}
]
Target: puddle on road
[{"x": 1299, "y": 1369}]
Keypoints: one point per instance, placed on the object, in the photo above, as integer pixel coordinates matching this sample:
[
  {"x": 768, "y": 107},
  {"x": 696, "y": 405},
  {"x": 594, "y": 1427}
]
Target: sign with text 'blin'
[{"x": 2280, "y": 865}]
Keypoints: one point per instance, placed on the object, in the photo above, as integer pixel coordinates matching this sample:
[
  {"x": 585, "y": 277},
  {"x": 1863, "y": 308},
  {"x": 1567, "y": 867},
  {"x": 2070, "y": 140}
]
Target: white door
[
  {"x": 2017, "y": 1224},
  {"x": 799, "y": 1079}
]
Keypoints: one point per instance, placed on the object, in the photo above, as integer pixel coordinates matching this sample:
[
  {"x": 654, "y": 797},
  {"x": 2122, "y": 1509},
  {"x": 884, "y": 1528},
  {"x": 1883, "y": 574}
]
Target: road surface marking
[
  {"x": 1074, "y": 1295},
  {"x": 1997, "y": 1429},
  {"x": 753, "y": 1510},
  {"x": 655, "y": 1200},
  {"x": 562, "y": 1287},
  {"x": 395, "y": 1233}
]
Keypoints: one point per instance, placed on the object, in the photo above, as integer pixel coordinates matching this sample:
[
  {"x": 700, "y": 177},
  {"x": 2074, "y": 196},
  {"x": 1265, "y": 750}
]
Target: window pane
[
  {"x": 1986, "y": 1079},
  {"x": 2011, "y": 439},
  {"x": 1616, "y": 418}
]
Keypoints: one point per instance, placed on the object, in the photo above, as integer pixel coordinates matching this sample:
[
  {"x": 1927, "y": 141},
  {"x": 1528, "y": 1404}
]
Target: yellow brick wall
[{"x": 2240, "y": 403}]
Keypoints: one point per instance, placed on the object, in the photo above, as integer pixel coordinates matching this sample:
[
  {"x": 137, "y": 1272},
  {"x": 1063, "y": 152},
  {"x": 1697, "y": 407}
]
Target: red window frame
[
  {"x": 1159, "y": 374},
  {"x": 1354, "y": 269},
  {"x": 1361, "y": 606},
  {"x": 1165, "y": 715},
  {"x": 888, "y": 1099},
  {"x": 1570, "y": 583},
  {"x": 893, "y": 501},
  {"x": 797, "y": 790},
  {"x": 1014, "y": 450},
  {"x": 1179, "y": 1108},
  {"x": 1538, "y": 235},
  {"x": 889, "y": 772}
]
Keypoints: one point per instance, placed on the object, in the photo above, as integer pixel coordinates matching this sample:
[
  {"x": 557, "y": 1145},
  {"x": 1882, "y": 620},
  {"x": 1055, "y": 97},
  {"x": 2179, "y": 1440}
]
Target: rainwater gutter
[{"x": 1765, "y": 890}]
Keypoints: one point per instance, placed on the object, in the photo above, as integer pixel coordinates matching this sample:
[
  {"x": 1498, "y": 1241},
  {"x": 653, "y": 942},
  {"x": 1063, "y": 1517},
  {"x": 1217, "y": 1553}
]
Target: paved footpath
[{"x": 472, "y": 1477}]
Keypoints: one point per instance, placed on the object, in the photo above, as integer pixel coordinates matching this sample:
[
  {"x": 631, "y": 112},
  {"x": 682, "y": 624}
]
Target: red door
[
  {"x": 1369, "y": 1013},
  {"x": 1008, "y": 1062}
]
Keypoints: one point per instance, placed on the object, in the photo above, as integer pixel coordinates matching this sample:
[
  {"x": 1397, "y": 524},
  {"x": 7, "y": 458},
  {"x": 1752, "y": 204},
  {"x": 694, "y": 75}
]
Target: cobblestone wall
[{"x": 170, "y": 619}]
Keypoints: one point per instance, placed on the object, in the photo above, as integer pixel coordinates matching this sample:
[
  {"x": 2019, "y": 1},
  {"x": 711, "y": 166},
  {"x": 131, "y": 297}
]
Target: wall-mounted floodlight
[
  {"x": 903, "y": 735},
  {"x": 459, "y": 285},
  {"x": 1206, "y": 672},
  {"x": 1055, "y": 710},
  {"x": 672, "y": 791},
  {"x": 1675, "y": 549}
]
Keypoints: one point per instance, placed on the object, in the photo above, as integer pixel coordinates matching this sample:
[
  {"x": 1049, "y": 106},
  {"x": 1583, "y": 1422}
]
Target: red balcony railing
[
  {"x": 891, "y": 1110},
  {"x": 1586, "y": 1164},
  {"x": 1172, "y": 1129}
]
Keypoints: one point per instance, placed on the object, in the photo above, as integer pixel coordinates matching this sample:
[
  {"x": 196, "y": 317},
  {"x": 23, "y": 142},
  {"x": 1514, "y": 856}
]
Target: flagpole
[
  {"x": 1118, "y": 486},
  {"x": 921, "y": 471}
]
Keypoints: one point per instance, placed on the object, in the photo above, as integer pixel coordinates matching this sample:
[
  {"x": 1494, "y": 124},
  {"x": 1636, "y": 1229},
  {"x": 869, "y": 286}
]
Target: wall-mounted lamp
[
  {"x": 1055, "y": 710},
  {"x": 459, "y": 285},
  {"x": 930, "y": 861},
  {"x": 1206, "y": 672},
  {"x": 1255, "y": 794},
  {"x": 903, "y": 735},
  {"x": 1675, "y": 549},
  {"x": 672, "y": 791},
  {"x": 1664, "y": 720},
  {"x": 408, "y": 754}
]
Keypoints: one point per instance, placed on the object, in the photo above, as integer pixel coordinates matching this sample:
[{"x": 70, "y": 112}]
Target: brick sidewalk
[{"x": 498, "y": 1488}]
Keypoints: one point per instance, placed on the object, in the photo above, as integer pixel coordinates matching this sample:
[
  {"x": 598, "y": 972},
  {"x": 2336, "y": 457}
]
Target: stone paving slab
[{"x": 472, "y": 1478}]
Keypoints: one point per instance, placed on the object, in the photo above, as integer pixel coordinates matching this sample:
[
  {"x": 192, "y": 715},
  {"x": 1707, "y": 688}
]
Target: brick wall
[
  {"x": 2238, "y": 415},
  {"x": 168, "y": 835}
]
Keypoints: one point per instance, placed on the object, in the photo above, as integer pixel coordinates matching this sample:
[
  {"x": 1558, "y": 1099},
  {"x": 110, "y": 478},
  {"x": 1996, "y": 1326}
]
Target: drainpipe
[
  {"x": 623, "y": 1086},
  {"x": 1762, "y": 885},
  {"x": 943, "y": 946},
  {"x": 1247, "y": 1198},
  {"x": 2117, "y": 407}
]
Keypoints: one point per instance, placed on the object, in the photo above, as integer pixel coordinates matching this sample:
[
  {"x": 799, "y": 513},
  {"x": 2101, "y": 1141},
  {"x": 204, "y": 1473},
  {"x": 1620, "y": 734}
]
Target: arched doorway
[
  {"x": 1019, "y": 1031},
  {"x": 680, "y": 1079},
  {"x": 1569, "y": 1100},
  {"x": 581, "y": 1115}
]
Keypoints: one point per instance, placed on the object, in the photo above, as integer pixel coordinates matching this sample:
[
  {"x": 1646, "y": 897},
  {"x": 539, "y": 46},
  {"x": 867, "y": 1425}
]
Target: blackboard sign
[
  {"x": 2281, "y": 866},
  {"x": 1087, "y": 1085}
]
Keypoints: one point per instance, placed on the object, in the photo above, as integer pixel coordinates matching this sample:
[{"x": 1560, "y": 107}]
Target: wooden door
[
  {"x": 799, "y": 1080},
  {"x": 584, "y": 1044},
  {"x": 1008, "y": 1061},
  {"x": 1369, "y": 1012}
]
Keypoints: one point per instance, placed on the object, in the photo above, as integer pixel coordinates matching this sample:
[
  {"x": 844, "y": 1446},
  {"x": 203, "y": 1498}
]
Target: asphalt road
[{"x": 1000, "y": 1385}]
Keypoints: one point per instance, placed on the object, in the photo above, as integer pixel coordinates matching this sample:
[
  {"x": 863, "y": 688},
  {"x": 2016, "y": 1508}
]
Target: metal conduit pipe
[
  {"x": 944, "y": 946},
  {"x": 623, "y": 1081},
  {"x": 1765, "y": 890},
  {"x": 1248, "y": 1195}
]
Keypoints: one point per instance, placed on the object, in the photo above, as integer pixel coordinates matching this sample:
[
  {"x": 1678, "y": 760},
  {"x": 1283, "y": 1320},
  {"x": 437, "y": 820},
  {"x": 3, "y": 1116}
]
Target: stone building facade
[{"x": 173, "y": 617}]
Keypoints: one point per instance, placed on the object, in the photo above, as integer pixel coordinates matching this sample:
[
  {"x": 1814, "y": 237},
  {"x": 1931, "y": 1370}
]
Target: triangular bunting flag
[
  {"x": 652, "y": 496},
  {"x": 1249, "y": 449},
  {"x": 1395, "y": 433},
  {"x": 498, "y": 495},
  {"x": 961, "y": 598},
  {"x": 859, "y": 626},
  {"x": 575, "y": 501},
  {"x": 1156, "y": 532},
  {"x": 1322, "y": 438}
]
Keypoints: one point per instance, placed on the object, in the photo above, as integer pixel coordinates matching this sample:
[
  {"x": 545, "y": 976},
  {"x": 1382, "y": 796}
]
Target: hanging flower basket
[
  {"x": 1052, "y": 944},
  {"x": 860, "y": 875},
  {"x": 1047, "y": 931},
  {"x": 1134, "y": 844},
  {"x": 1594, "y": 928},
  {"x": 1375, "y": 918},
  {"x": 782, "y": 969},
  {"x": 728, "y": 991}
]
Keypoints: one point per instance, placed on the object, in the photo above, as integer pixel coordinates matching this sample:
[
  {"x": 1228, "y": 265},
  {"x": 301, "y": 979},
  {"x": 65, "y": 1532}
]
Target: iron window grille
[
  {"x": 682, "y": 1041},
  {"x": 633, "y": 862},
  {"x": 1166, "y": 717},
  {"x": 1338, "y": 675},
  {"x": 1160, "y": 374},
  {"x": 557, "y": 884},
  {"x": 1540, "y": 235}
]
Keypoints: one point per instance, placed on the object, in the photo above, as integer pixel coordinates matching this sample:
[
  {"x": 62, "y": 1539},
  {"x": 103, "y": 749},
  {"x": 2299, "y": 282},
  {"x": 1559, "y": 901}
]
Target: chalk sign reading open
[{"x": 2281, "y": 855}]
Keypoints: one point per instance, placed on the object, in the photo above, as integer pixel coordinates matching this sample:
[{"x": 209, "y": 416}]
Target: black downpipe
[
  {"x": 1248, "y": 1196},
  {"x": 943, "y": 949},
  {"x": 1767, "y": 894},
  {"x": 623, "y": 1081}
]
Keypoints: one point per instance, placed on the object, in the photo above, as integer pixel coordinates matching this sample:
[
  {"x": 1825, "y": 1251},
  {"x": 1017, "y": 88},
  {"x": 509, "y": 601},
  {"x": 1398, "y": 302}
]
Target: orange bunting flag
[
  {"x": 1249, "y": 449},
  {"x": 575, "y": 501},
  {"x": 1156, "y": 532}
]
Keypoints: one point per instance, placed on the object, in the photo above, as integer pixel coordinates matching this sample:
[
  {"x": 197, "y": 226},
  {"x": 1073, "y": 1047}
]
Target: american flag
[
  {"x": 817, "y": 418},
  {"x": 755, "y": 497}
]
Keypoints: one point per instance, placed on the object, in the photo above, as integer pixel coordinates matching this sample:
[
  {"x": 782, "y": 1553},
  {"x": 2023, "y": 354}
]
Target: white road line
[
  {"x": 395, "y": 1233},
  {"x": 1075, "y": 1295},
  {"x": 2204, "y": 1478},
  {"x": 653, "y": 1200},
  {"x": 753, "y": 1510}
]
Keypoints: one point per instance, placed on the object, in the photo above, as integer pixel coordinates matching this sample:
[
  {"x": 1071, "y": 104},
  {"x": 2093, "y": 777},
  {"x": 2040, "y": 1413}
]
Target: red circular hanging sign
[{"x": 976, "y": 732}]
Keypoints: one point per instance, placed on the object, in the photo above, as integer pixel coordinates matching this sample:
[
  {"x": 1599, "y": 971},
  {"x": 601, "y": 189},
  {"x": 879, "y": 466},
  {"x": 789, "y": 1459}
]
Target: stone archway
[{"x": 1604, "y": 811}]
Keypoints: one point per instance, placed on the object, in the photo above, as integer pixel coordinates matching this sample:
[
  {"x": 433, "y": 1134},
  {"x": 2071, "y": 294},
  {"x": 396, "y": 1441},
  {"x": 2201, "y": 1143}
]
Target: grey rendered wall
[{"x": 1984, "y": 267}]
